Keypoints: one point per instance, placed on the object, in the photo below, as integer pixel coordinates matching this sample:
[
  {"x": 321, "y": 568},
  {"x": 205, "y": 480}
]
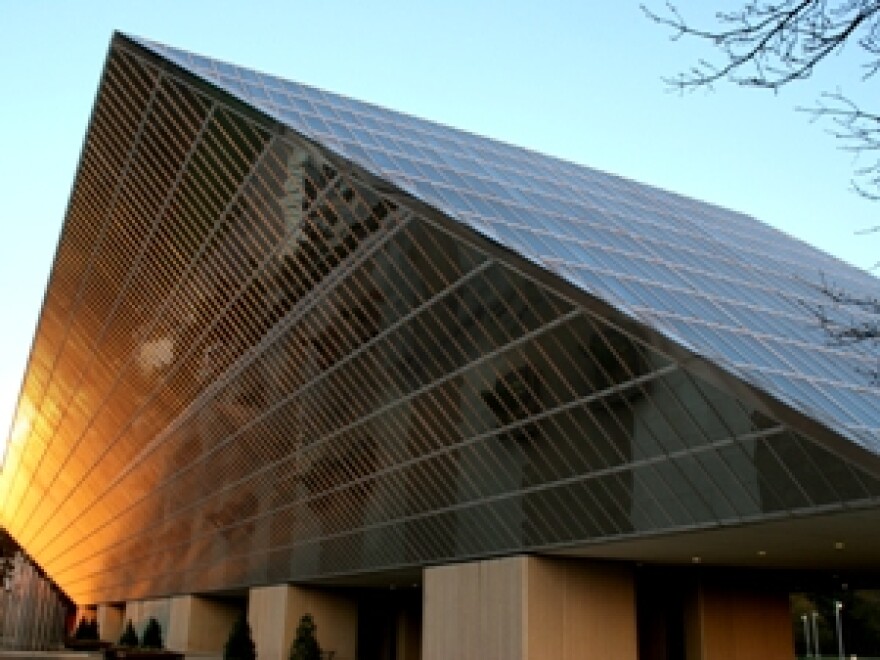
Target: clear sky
[{"x": 580, "y": 80}]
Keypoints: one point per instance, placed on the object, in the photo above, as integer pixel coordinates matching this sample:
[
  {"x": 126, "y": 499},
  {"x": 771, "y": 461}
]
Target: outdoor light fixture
[
  {"x": 837, "y": 607},
  {"x": 806, "y": 636}
]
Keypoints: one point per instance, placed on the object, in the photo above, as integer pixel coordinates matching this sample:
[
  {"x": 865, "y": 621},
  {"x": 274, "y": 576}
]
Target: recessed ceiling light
[
  {"x": 696, "y": 560},
  {"x": 762, "y": 553},
  {"x": 838, "y": 545}
]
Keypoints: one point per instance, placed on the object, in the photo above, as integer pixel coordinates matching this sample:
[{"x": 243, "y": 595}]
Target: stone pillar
[
  {"x": 110, "y": 622},
  {"x": 738, "y": 622},
  {"x": 529, "y": 608},
  {"x": 274, "y": 613},
  {"x": 200, "y": 624}
]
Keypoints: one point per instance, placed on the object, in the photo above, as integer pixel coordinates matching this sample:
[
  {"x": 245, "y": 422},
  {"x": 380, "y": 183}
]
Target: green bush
[
  {"x": 240, "y": 645},
  {"x": 129, "y": 636},
  {"x": 305, "y": 644},
  {"x": 152, "y": 635}
]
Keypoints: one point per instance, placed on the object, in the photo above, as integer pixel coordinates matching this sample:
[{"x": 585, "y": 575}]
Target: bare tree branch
[
  {"x": 857, "y": 132},
  {"x": 847, "y": 319},
  {"x": 770, "y": 44}
]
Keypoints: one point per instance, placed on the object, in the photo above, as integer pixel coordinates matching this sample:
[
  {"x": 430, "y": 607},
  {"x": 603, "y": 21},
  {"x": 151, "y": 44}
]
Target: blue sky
[{"x": 579, "y": 80}]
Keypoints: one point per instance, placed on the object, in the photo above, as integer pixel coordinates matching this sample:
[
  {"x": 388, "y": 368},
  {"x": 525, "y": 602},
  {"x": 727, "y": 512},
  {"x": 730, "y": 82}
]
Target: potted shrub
[
  {"x": 152, "y": 635},
  {"x": 129, "y": 636},
  {"x": 240, "y": 645},
  {"x": 149, "y": 646},
  {"x": 86, "y": 630},
  {"x": 128, "y": 640},
  {"x": 86, "y": 637},
  {"x": 305, "y": 644}
]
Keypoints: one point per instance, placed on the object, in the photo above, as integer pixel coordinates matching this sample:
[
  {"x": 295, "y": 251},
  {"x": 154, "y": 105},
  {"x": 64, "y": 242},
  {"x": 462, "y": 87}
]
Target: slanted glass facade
[
  {"x": 260, "y": 360},
  {"x": 732, "y": 289}
]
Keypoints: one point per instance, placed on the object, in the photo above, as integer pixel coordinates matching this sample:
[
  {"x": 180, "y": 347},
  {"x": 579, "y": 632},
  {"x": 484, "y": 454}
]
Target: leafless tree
[
  {"x": 849, "y": 319},
  {"x": 849, "y": 330},
  {"x": 769, "y": 45}
]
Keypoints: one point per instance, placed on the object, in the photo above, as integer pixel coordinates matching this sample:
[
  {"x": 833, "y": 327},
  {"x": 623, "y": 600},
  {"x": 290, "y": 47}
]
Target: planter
[
  {"x": 127, "y": 653},
  {"x": 86, "y": 644}
]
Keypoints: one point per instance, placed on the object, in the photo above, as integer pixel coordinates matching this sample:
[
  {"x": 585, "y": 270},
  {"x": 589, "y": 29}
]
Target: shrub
[
  {"x": 305, "y": 644},
  {"x": 129, "y": 636},
  {"x": 240, "y": 645},
  {"x": 86, "y": 630},
  {"x": 152, "y": 635}
]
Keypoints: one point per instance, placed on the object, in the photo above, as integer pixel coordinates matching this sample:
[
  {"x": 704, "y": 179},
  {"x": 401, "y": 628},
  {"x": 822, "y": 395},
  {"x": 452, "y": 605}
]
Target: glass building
[{"x": 294, "y": 343}]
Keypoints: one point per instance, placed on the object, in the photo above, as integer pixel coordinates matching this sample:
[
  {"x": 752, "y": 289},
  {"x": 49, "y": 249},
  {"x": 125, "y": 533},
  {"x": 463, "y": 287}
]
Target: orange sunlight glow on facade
[{"x": 18, "y": 452}]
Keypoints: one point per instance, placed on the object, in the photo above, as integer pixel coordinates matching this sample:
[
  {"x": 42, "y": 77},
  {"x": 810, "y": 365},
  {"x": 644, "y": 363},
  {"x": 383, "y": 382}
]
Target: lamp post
[
  {"x": 806, "y": 636},
  {"x": 837, "y": 607},
  {"x": 814, "y": 615}
]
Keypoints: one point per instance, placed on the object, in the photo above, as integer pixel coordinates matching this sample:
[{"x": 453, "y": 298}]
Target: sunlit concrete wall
[{"x": 528, "y": 608}]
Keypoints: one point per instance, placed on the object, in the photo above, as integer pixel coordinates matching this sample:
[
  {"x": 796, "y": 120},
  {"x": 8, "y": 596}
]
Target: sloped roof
[{"x": 722, "y": 284}]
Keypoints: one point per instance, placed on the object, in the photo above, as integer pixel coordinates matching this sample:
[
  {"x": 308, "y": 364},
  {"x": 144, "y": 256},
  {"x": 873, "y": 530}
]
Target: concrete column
[
  {"x": 274, "y": 613},
  {"x": 110, "y": 622},
  {"x": 199, "y": 624},
  {"x": 529, "y": 608},
  {"x": 738, "y": 622}
]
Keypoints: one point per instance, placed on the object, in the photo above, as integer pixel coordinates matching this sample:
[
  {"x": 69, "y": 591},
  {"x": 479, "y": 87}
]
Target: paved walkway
[
  {"x": 80, "y": 655},
  {"x": 49, "y": 655}
]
